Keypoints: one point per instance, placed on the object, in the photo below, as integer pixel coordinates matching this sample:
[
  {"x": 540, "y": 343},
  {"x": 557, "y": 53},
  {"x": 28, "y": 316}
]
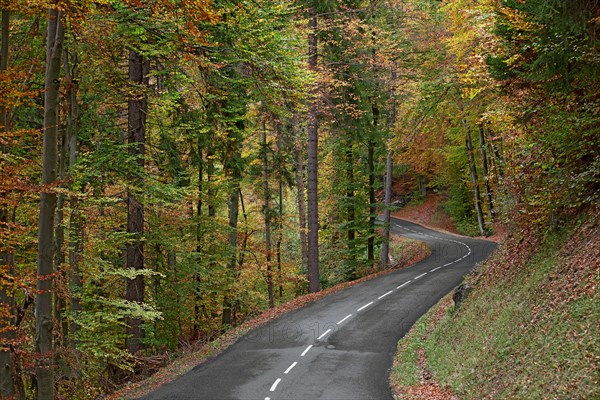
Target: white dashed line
[
  {"x": 324, "y": 333},
  {"x": 306, "y": 351},
  {"x": 404, "y": 284},
  {"x": 345, "y": 318},
  {"x": 420, "y": 276},
  {"x": 365, "y": 306},
  {"x": 287, "y": 371},
  {"x": 267, "y": 398},
  {"x": 274, "y": 385},
  {"x": 435, "y": 269},
  {"x": 385, "y": 294}
]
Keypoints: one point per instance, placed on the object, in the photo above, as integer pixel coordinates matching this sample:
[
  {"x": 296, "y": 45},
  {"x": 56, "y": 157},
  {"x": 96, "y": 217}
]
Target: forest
[{"x": 172, "y": 168}]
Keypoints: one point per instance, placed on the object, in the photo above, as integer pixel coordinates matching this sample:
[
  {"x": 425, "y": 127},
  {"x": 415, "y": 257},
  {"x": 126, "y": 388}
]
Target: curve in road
[{"x": 341, "y": 346}]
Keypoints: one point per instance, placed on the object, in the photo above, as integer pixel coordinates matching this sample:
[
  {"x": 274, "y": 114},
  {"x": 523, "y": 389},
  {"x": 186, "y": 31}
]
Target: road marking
[
  {"x": 267, "y": 398},
  {"x": 324, "y": 333},
  {"x": 306, "y": 351},
  {"x": 345, "y": 318},
  {"x": 450, "y": 263},
  {"x": 365, "y": 306},
  {"x": 385, "y": 294},
  {"x": 290, "y": 367},
  {"x": 274, "y": 386},
  {"x": 404, "y": 284},
  {"x": 420, "y": 276},
  {"x": 435, "y": 269}
]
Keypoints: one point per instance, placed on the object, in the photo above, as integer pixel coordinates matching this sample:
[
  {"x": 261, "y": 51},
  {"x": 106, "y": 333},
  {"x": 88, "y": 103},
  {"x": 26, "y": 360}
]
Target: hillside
[{"x": 527, "y": 330}]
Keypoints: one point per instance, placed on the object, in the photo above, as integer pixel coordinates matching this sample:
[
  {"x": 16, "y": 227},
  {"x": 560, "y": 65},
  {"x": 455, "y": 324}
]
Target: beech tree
[{"x": 43, "y": 303}]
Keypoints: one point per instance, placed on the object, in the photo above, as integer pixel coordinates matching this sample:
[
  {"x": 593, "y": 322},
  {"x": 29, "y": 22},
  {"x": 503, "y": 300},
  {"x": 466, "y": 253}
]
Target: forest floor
[{"x": 528, "y": 329}]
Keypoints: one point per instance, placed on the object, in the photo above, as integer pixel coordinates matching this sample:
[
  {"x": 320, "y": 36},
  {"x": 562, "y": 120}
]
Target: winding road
[{"x": 341, "y": 346}]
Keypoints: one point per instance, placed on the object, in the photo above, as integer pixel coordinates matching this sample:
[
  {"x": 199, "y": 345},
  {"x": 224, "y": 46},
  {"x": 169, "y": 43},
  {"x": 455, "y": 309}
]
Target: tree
[
  {"x": 136, "y": 129},
  {"x": 43, "y": 302},
  {"x": 312, "y": 130}
]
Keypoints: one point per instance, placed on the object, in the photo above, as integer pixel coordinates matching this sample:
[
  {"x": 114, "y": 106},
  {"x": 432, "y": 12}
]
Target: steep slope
[{"x": 528, "y": 329}]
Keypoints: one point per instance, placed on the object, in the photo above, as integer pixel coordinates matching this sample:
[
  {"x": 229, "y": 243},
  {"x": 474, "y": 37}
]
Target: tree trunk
[
  {"x": 267, "y": 215},
  {"x": 199, "y": 235},
  {"x": 385, "y": 247},
  {"x": 372, "y": 199},
  {"x": 314, "y": 284},
  {"x": 350, "y": 210},
  {"x": 485, "y": 171},
  {"x": 44, "y": 324},
  {"x": 7, "y": 301},
  {"x": 280, "y": 237},
  {"x": 301, "y": 194},
  {"x": 136, "y": 125},
  {"x": 474, "y": 179},
  {"x": 233, "y": 211},
  {"x": 75, "y": 245},
  {"x": 422, "y": 182}
]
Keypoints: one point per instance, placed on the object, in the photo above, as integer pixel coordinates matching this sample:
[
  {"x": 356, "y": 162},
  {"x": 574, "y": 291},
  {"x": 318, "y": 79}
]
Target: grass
[{"x": 528, "y": 334}]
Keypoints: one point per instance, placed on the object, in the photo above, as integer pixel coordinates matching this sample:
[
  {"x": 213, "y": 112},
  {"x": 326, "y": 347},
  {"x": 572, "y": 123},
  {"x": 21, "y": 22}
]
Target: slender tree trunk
[
  {"x": 350, "y": 210},
  {"x": 280, "y": 237},
  {"x": 199, "y": 235},
  {"x": 485, "y": 171},
  {"x": 246, "y": 235},
  {"x": 422, "y": 182},
  {"x": 136, "y": 137},
  {"x": 314, "y": 284},
  {"x": 61, "y": 328},
  {"x": 385, "y": 247},
  {"x": 44, "y": 319},
  {"x": 372, "y": 199},
  {"x": 75, "y": 245},
  {"x": 7, "y": 302},
  {"x": 233, "y": 211},
  {"x": 474, "y": 179},
  {"x": 267, "y": 215},
  {"x": 301, "y": 194}
]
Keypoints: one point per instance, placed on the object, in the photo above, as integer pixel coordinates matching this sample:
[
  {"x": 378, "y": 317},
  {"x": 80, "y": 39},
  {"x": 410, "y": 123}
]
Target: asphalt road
[{"x": 341, "y": 346}]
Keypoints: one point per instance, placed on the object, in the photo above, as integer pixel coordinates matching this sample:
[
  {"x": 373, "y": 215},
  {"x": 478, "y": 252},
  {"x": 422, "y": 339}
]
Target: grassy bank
[{"x": 528, "y": 330}]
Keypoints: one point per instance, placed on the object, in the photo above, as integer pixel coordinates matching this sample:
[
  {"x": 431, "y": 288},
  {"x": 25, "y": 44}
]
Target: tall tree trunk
[
  {"x": 314, "y": 284},
  {"x": 301, "y": 192},
  {"x": 44, "y": 318},
  {"x": 474, "y": 179},
  {"x": 136, "y": 137},
  {"x": 372, "y": 199},
  {"x": 267, "y": 215},
  {"x": 385, "y": 247},
  {"x": 350, "y": 210},
  {"x": 233, "y": 211},
  {"x": 199, "y": 236},
  {"x": 61, "y": 328},
  {"x": 280, "y": 237},
  {"x": 7, "y": 302},
  {"x": 485, "y": 171},
  {"x": 75, "y": 245}
]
